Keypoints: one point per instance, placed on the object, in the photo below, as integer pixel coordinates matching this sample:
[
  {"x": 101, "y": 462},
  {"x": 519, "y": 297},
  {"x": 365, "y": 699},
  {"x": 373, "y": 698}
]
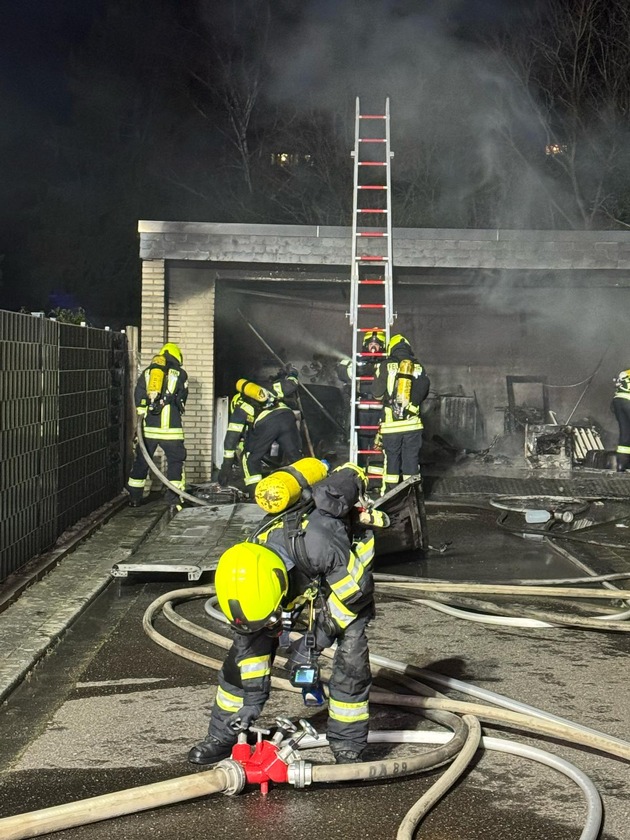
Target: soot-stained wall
[{"x": 470, "y": 339}]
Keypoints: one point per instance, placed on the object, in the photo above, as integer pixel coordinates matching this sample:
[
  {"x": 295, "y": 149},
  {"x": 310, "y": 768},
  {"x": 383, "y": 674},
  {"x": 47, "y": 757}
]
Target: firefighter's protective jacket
[
  {"x": 164, "y": 421},
  {"x": 246, "y": 412},
  {"x": 622, "y": 385},
  {"x": 384, "y": 386},
  {"x": 328, "y": 547}
]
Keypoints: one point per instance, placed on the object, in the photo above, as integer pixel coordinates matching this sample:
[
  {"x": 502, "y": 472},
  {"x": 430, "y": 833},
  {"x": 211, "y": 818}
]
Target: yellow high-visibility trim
[
  {"x": 344, "y": 588},
  {"x": 137, "y": 482},
  {"x": 228, "y": 702},
  {"x": 348, "y": 712},
  {"x": 340, "y": 613},
  {"x": 255, "y": 668}
]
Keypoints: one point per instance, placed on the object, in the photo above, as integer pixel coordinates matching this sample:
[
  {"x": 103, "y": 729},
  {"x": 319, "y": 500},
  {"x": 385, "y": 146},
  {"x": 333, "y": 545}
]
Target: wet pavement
[{"x": 108, "y": 709}]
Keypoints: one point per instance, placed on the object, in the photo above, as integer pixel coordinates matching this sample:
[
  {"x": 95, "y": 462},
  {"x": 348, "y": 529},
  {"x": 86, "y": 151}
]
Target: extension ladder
[{"x": 371, "y": 304}]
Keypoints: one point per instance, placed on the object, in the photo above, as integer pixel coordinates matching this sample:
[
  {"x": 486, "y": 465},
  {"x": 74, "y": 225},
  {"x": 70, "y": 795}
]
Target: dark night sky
[{"x": 69, "y": 66}]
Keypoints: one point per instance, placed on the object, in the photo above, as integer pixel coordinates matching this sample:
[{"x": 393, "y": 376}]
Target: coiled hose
[{"x": 526, "y": 717}]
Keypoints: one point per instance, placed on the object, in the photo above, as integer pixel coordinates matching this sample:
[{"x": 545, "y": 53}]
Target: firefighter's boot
[
  {"x": 209, "y": 751},
  {"x": 347, "y": 757}
]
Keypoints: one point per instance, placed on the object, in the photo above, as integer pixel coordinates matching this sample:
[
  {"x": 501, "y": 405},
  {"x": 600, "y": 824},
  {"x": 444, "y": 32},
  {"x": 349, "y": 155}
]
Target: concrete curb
[{"x": 34, "y": 622}]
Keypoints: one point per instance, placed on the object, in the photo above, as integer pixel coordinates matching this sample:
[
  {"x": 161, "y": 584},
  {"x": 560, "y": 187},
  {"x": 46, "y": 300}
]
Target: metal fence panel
[{"x": 62, "y": 429}]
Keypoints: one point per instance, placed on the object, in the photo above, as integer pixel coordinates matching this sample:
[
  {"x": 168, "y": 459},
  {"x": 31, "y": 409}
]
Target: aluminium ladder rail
[{"x": 371, "y": 297}]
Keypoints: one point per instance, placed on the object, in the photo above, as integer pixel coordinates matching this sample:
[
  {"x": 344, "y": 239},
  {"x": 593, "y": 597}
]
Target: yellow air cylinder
[
  {"x": 156, "y": 377},
  {"x": 251, "y": 390},
  {"x": 404, "y": 378},
  {"x": 283, "y": 488}
]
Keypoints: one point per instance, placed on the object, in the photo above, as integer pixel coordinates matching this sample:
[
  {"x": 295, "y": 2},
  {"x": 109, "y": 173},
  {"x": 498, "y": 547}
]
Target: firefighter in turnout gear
[
  {"x": 372, "y": 350},
  {"x": 621, "y": 407},
  {"x": 320, "y": 553},
  {"x": 260, "y": 417},
  {"x": 402, "y": 384},
  {"x": 160, "y": 397}
]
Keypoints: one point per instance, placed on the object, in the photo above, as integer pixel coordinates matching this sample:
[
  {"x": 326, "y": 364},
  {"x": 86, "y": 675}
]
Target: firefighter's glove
[
  {"x": 374, "y": 518},
  {"x": 225, "y": 473},
  {"x": 141, "y": 410},
  {"x": 244, "y": 718}
]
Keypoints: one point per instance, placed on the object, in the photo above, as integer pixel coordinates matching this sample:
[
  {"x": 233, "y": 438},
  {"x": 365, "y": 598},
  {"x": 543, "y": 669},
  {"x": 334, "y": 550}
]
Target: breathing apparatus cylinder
[
  {"x": 252, "y": 391},
  {"x": 283, "y": 488},
  {"x": 155, "y": 385},
  {"x": 402, "y": 389}
]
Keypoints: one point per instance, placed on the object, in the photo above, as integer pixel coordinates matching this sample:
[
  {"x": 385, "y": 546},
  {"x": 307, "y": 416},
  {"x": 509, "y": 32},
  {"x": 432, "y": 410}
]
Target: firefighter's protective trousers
[
  {"x": 621, "y": 407},
  {"x": 175, "y": 452},
  {"x": 245, "y": 680}
]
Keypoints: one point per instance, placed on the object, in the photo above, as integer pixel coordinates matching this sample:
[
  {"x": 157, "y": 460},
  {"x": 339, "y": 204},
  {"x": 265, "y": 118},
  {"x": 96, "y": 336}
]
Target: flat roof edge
[{"x": 146, "y": 226}]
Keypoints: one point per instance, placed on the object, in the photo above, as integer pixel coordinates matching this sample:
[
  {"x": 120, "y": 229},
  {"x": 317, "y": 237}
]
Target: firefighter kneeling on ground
[
  {"x": 324, "y": 554},
  {"x": 402, "y": 384},
  {"x": 260, "y": 417},
  {"x": 160, "y": 396}
]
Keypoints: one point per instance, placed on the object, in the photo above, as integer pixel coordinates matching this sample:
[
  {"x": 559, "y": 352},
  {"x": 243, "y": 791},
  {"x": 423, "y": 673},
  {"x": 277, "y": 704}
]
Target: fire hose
[
  {"x": 278, "y": 760},
  {"x": 160, "y": 475}
]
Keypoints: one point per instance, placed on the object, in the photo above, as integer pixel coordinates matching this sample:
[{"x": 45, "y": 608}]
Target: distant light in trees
[
  {"x": 291, "y": 159},
  {"x": 556, "y": 148}
]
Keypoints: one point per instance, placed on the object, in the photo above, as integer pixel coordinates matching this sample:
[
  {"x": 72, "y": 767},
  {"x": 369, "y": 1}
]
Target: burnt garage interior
[{"x": 513, "y": 327}]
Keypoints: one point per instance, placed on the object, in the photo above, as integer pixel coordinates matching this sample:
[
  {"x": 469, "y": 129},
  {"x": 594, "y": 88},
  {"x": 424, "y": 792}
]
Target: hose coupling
[
  {"x": 300, "y": 774},
  {"x": 235, "y": 777}
]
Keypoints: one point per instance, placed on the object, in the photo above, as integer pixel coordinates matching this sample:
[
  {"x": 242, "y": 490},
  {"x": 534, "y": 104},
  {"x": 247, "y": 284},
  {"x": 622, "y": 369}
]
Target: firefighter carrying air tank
[
  {"x": 319, "y": 556},
  {"x": 160, "y": 397},
  {"x": 402, "y": 384},
  {"x": 260, "y": 417}
]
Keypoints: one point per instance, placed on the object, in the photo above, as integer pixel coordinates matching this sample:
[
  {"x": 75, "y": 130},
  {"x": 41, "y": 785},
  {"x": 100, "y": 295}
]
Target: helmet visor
[{"x": 244, "y": 627}]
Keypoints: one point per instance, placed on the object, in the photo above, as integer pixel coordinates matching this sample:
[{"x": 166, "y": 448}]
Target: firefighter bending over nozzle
[
  {"x": 621, "y": 407},
  {"x": 318, "y": 561},
  {"x": 260, "y": 417},
  {"x": 402, "y": 384},
  {"x": 160, "y": 397}
]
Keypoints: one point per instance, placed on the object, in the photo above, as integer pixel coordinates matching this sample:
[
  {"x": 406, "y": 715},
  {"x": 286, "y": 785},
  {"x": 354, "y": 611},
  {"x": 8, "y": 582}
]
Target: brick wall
[
  {"x": 190, "y": 324},
  {"x": 178, "y": 309},
  {"x": 153, "y": 307}
]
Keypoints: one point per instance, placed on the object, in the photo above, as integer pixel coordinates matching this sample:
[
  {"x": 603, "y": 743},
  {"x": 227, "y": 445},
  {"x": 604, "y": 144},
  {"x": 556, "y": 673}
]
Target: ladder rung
[
  {"x": 372, "y": 163},
  {"x": 372, "y": 116},
  {"x": 366, "y": 258},
  {"x": 371, "y": 210},
  {"x": 371, "y": 282},
  {"x": 370, "y": 405},
  {"x": 371, "y": 187},
  {"x": 371, "y": 452},
  {"x": 365, "y": 378},
  {"x": 372, "y": 140},
  {"x": 366, "y": 428},
  {"x": 371, "y": 234},
  {"x": 371, "y": 306}
]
